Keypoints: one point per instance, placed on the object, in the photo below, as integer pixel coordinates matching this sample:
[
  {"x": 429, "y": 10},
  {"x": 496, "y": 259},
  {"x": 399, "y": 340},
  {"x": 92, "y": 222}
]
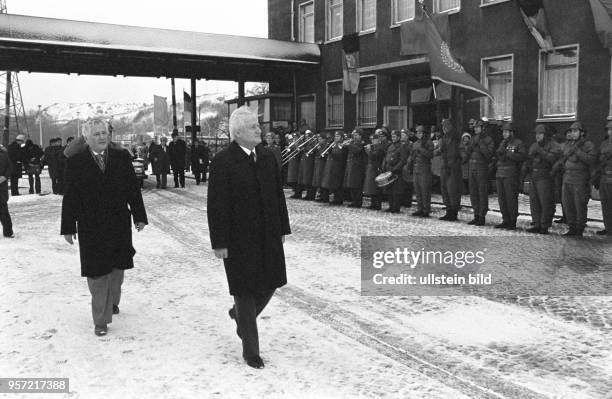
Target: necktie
[
  {"x": 252, "y": 156},
  {"x": 100, "y": 161}
]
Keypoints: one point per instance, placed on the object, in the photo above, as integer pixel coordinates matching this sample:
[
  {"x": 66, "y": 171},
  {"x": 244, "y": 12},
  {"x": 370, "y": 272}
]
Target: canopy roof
[{"x": 38, "y": 44}]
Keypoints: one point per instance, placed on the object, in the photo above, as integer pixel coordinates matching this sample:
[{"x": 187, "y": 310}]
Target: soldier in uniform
[
  {"x": 319, "y": 167},
  {"x": 510, "y": 156},
  {"x": 450, "y": 170},
  {"x": 394, "y": 161},
  {"x": 293, "y": 168},
  {"x": 579, "y": 155},
  {"x": 334, "y": 169},
  {"x": 406, "y": 169},
  {"x": 355, "y": 169},
  {"x": 541, "y": 156},
  {"x": 605, "y": 183},
  {"x": 375, "y": 153},
  {"x": 479, "y": 156},
  {"x": 306, "y": 167},
  {"x": 421, "y": 155}
]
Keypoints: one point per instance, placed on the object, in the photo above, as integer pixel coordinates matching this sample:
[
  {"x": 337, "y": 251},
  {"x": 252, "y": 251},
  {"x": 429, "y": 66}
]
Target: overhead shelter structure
[{"x": 48, "y": 45}]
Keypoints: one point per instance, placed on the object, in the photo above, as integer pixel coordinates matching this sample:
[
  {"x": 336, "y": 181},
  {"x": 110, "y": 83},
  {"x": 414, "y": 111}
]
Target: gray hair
[
  {"x": 238, "y": 118},
  {"x": 88, "y": 127}
]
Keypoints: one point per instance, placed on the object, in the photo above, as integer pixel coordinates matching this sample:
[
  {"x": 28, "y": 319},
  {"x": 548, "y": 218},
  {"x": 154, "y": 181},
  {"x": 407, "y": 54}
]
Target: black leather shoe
[
  {"x": 511, "y": 226},
  {"x": 534, "y": 230},
  {"x": 571, "y": 232},
  {"x": 473, "y": 221},
  {"x": 417, "y": 213},
  {"x": 425, "y": 215},
  {"x": 101, "y": 331},
  {"x": 255, "y": 362},
  {"x": 480, "y": 222},
  {"x": 602, "y": 232},
  {"x": 502, "y": 225},
  {"x": 452, "y": 217},
  {"x": 115, "y": 309},
  {"x": 9, "y": 235},
  {"x": 232, "y": 315}
]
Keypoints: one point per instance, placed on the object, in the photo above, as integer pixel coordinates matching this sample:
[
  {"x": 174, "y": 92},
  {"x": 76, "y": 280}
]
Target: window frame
[
  {"x": 301, "y": 21},
  {"x": 357, "y": 122},
  {"x": 557, "y": 117},
  {"x": 484, "y": 3},
  {"x": 359, "y": 10},
  {"x": 327, "y": 125},
  {"x": 436, "y": 8},
  {"x": 328, "y": 37},
  {"x": 403, "y": 108},
  {"x": 394, "y": 13},
  {"x": 484, "y": 81},
  {"x": 300, "y": 97}
]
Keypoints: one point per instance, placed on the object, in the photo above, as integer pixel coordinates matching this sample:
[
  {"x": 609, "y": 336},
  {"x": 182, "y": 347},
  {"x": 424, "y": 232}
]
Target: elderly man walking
[
  {"x": 101, "y": 193},
  {"x": 247, "y": 219}
]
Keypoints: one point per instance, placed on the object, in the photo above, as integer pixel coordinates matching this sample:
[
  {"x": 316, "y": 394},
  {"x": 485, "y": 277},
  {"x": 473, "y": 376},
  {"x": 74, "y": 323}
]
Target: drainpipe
[{"x": 292, "y": 21}]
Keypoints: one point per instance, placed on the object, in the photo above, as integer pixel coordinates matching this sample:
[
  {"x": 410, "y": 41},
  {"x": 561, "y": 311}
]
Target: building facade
[{"x": 488, "y": 37}]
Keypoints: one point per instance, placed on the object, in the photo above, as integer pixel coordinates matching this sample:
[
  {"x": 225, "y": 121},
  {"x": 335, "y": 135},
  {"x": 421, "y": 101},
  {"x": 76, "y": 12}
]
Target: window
[
  {"x": 366, "y": 15},
  {"x": 610, "y": 111},
  {"x": 334, "y": 19},
  {"x": 335, "y": 104},
  {"x": 307, "y": 22},
  {"x": 487, "y": 2},
  {"x": 366, "y": 101},
  {"x": 402, "y": 10},
  {"x": 446, "y": 5},
  {"x": 307, "y": 110},
  {"x": 396, "y": 118},
  {"x": 559, "y": 82},
  {"x": 497, "y": 76}
]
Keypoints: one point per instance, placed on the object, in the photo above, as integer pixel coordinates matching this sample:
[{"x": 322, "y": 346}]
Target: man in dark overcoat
[
  {"x": 355, "y": 169},
  {"x": 450, "y": 171},
  {"x": 101, "y": 194},
  {"x": 160, "y": 162},
  {"x": 5, "y": 174},
  {"x": 16, "y": 154},
  {"x": 177, "y": 150},
  {"x": 248, "y": 220}
]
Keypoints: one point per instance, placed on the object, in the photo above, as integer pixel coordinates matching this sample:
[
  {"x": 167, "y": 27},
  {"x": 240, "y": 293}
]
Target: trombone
[
  {"x": 288, "y": 157},
  {"x": 288, "y": 149},
  {"x": 345, "y": 142}
]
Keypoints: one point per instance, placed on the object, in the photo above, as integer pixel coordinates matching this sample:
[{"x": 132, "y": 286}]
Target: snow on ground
[{"x": 319, "y": 337}]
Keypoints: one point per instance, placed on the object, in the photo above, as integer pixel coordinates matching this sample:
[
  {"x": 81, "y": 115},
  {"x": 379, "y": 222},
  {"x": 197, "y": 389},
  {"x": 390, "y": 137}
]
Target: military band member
[
  {"x": 334, "y": 169},
  {"x": 510, "y": 155},
  {"x": 307, "y": 166},
  {"x": 355, "y": 169},
  {"x": 579, "y": 155},
  {"x": 319, "y": 167},
  {"x": 605, "y": 183},
  {"x": 375, "y": 153},
  {"x": 541, "y": 157},
  {"x": 421, "y": 155},
  {"x": 406, "y": 169},
  {"x": 394, "y": 161},
  {"x": 479, "y": 156},
  {"x": 450, "y": 170}
]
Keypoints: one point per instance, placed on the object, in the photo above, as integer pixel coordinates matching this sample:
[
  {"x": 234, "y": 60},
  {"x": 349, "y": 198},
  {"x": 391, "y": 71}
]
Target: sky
[{"x": 238, "y": 17}]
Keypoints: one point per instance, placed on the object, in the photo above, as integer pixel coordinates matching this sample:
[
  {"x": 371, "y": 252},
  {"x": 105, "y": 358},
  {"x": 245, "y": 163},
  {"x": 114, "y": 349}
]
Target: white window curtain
[
  {"x": 446, "y": 5},
  {"x": 367, "y": 15},
  {"x": 498, "y": 79},
  {"x": 307, "y": 111},
  {"x": 307, "y": 22},
  {"x": 334, "y": 19},
  {"x": 403, "y": 10},
  {"x": 367, "y": 101},
  {"x": 559, "y": 94}
]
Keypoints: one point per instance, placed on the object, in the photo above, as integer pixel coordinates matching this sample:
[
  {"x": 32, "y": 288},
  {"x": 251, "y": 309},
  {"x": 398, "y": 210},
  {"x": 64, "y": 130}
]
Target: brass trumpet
[
  {"x": 289, "y": 157},
  {"x": 327, "y": 149},
  {"x": 288, "y": 149}
]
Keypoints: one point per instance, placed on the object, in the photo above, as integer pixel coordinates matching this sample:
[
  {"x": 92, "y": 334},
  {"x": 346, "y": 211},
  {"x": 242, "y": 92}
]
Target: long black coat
[
  {"x": 247, "y": 215},
  {"x": 5, "y": 170},
  {"x": 355, "y": 166},
  {"x": 160, "y": 161},
  {"x": 178, "y": 154},
  {"x": 16, "y": 155},
  {"x": 98, "y": 206}
]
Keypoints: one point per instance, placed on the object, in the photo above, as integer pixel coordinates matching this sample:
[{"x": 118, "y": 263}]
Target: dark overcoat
[
  {"x": 306, "y": 170},
  {"x": 178, "y": 154},
  {"x": 333, "y": 175},
  {"x": 355, "y": 166},
  {"x": 319, "y": 165},
  {"x": 97, "y": 206},
  {"x": 375, "y": 157},
  {"x": 16, "y": 155},
  {"x": 247, "y": 214},
  {"x": 5, "y": 170},
  {"x": 160, "y": 162}
]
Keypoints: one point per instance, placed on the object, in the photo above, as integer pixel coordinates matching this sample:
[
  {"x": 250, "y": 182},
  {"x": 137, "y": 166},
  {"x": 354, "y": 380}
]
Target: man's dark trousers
[
  {"x": 479, "y": 191},
  {"x": 248, "y": 307},
  {"x": 179, "y": 177},
  {"x": 5, "y": 220},
  {"x": 14, "y": 185}
]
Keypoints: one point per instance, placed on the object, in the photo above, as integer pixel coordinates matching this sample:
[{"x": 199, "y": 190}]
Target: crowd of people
[{"x": 401, "y": 166}]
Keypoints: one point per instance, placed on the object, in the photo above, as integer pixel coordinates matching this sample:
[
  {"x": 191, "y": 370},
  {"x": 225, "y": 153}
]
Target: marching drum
[{"x": 384, "y": 179}]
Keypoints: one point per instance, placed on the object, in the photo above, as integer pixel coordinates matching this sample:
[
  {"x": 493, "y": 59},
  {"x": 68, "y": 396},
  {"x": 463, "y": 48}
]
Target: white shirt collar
[{"x": 248, "y": 152}]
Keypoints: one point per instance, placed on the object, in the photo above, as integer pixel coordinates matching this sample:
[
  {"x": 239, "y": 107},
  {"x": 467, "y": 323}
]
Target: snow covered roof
[{"x": 82, "y": 44}]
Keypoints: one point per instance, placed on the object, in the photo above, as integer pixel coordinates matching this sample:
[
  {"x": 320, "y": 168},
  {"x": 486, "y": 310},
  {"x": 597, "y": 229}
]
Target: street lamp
[
  {"x": 40, "y": 124},
  {"x": 78, "y": 123}
]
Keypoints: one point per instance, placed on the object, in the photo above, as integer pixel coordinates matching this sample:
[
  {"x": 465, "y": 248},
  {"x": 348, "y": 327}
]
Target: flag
[
  {"x": 534, "y": 16},
  {"x": 412, "y": 33},
  {"x": 186, "y": 109},
  {"x": 602, "y": 16},
  {"x": 160, "y": 111},
  {"x": 350, "y": 62},
  {"x": 442, "y": 64}
]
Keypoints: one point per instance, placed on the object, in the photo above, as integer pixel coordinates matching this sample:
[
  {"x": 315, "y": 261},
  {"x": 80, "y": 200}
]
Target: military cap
[
  {"x": 20, "y": 137},
  {"x": 576, "y": 125},
  {"x": 507, "y": 126},
  {"x": 420, "y": 128},
  {"x": 609, "y": 125},
  {"x": 479, "y": 123},
  {"x": 541, "y": 129}
]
